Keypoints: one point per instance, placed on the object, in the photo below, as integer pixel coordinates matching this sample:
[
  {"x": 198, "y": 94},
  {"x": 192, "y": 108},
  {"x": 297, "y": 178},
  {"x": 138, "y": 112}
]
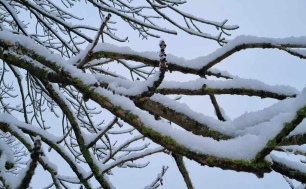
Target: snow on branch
[
  {"x": 201, "y": 65},
  {"x": 291, "y": 169},
  {"x": 264, "y": 131},
  {"x": 159, "y": 179},
  {"x": 137, "y": 118},
  {"x": 15, "y": 131},
  {"x": 12, "y": 12},
  {"x": 130, "y": 18},
  {"x": 174, "y": 63},
  {"x": 71, "y": 116},
  {"x": 298, "y": 136},
  {"x": 296, "y": 150},
  {"x": 201, "y": 86},
  {"x": 6, "y": 156},
  {"x": 241, "y": 144},
  {"x": 7, "y": 122},
  {"x": 188, "y": 29},
  {"x": 89, "y": 54},
  {"x": 131, "y": 157},
  {"x": 249, "y": 42},
  {"x": 35, "y": 155},
  {"x": 103, "y": 93}
]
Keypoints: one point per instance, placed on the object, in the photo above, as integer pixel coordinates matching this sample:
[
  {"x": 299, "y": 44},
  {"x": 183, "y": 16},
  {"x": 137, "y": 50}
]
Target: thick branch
[
  {"x": 172, "y": 66},
  {"x": 289, "y": 172},
  {"x": 294, "y": 140},
  {"x": 78, "y": 133},
  {"x": 208, "y": 61},
  {"x": 178, "y": 118},
  {"x": 133, "y": 120},
  {"x": 287, "y": 128}
]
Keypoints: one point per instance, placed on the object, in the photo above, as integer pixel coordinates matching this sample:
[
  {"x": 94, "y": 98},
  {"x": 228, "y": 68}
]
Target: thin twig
[{"x": 90, "y": 52}]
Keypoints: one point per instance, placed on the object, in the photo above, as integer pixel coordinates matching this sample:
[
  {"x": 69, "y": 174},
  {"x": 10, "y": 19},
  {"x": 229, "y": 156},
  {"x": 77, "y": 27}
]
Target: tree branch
[
  {"x": 181, "y": 166},
  {"x": 126, "y": 115},
  {"x": 287, "y": 128},
  {"x": 89, "y": 54},
  {"x": 217, "y": 108},
  {"x": 231, "y": 91},
  {"x": 35, "y": 154}
]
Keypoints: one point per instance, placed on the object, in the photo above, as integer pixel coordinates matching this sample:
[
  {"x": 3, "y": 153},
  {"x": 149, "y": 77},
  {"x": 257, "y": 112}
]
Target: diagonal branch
[
  {"x": 131, "y": 19},
  {"x": 102, "y": 133},
  {"x": 159, "y": 180},
  {"x": 180, "y": 119},
  {"x": 291, "y": 169},
  {"x": 35, "y": 154},
  {"x": 12, "y": 12},
  {"x": 187, "y": 30},
  {"x": 232, "y": 49},
  {"x": 77, "y": 131},
  {"x": 14, "y": 131},
  {"x": 287, "y": 128},
  {"x": 59, "y": 149},
  {"x": 217, "y": 108},
  {"x": 294, "y": 140},
  {"x": 289, "y": 172},
  {"x": 89, "y": 54},
  {"x": 106, "y": 100},
  {"x": 181, "y": 166}
]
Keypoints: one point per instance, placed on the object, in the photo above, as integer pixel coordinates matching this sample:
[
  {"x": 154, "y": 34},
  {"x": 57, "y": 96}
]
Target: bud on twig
[{"x": 162, "y": 56}]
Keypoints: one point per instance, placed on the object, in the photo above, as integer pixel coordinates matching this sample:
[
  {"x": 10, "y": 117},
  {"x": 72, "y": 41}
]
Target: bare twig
[{"x": 90, "y": 52}]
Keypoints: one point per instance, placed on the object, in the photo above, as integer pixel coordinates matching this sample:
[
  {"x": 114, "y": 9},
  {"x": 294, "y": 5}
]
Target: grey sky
[{"x": 266, "y": 18}]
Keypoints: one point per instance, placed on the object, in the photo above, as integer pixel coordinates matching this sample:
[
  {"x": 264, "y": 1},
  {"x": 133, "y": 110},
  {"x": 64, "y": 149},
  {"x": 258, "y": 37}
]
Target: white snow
[
  {"x": 245, "y": 146},
  {"x": 252, "y": 130},
  {"x": 300, "y": 129},
  {"x": 236, "y": 82},
  {"x": 292, "y": 164}
]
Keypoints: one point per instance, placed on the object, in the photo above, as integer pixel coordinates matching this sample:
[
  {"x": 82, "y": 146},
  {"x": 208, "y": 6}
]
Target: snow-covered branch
[{"x": 77, "y": 87}]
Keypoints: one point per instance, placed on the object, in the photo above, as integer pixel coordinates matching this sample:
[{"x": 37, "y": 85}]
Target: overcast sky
[{"x": 265, "y": 18}]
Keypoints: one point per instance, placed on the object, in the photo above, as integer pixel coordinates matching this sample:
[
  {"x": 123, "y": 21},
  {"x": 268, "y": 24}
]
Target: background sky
[{"x": 272, "y": 18}]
